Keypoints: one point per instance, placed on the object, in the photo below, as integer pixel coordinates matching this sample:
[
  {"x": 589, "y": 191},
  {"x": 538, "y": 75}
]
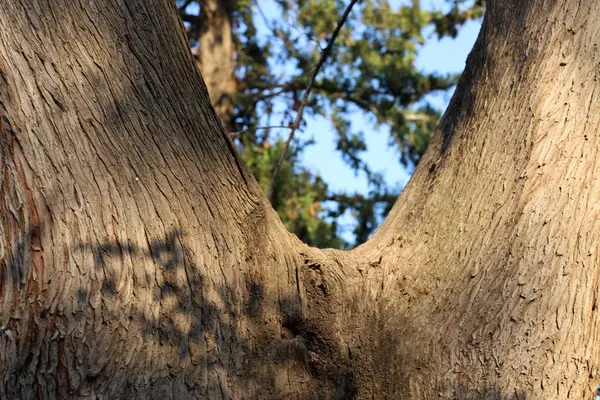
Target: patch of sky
[{"x": 443, "y": 56}]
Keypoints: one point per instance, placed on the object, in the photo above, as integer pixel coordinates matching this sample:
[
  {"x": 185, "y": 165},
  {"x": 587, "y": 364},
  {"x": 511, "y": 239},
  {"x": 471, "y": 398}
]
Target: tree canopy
[{"x": 266, "y": 52}]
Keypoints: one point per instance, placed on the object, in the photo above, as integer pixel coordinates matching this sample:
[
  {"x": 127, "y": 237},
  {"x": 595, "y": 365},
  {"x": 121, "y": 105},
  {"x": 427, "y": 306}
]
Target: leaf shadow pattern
[
  {"x": 252, "y": 362},
  {"x": 228, "y": 341},
  {"x": 226, "y": 357}
]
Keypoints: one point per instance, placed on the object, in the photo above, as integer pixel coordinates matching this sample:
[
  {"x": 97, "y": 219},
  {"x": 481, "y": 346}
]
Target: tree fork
[{"x": 139, "y": 258}]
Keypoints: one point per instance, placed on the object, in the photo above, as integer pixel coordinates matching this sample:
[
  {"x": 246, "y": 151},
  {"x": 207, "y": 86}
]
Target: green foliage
[
  {"x": 370, "y": 70},
  {"x": 298, "y": 193}
]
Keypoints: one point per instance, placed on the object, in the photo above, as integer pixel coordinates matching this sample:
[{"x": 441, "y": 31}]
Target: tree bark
[{"x": 140, "y": 259}]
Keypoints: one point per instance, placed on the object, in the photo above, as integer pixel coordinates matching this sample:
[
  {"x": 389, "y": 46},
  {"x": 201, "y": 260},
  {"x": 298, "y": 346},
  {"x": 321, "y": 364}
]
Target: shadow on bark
[
  {"x": 251, "y": 357},
  {"x": 251, "y": 361},
  {"x": 460, "y": 108},
  {"x": 222, "y": 337}
]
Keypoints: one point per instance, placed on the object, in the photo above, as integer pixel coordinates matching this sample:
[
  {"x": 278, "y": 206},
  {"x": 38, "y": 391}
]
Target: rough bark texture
[
  {"x": 495, "y": 240},
  {"x": 139, "y": 258}
]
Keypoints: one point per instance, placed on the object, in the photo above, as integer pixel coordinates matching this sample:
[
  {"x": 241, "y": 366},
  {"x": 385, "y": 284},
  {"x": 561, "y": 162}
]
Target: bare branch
[
  {"x": 257, "y": 128},
  {"x": 298, "y": 120}
]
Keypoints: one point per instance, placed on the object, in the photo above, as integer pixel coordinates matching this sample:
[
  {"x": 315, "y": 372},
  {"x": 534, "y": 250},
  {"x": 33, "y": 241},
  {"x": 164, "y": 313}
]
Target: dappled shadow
[
  {"x": 224, "y": 337},
  {"x": 215, "y": 326},
  {"x": 109, "y": 321},
  {"x": 251, "y": 360}
]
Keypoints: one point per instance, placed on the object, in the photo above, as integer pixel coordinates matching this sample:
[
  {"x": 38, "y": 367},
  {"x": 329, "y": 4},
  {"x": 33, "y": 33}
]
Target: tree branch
[
  {"x": 192, "y": 19},
  {"x": 257, "y": 128},
  {"x": 296, "y": 123}
]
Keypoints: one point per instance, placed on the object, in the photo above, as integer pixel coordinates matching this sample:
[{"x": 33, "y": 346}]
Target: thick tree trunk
[
  {"x": 494, "y": 243},
  {"x": 139, "y": 258}
]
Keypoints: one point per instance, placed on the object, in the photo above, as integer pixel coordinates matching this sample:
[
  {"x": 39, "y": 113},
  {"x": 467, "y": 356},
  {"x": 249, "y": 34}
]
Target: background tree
[{"x": 258, "y": 66}]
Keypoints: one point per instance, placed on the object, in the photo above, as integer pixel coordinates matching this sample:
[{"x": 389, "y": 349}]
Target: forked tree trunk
[{"x": 139, "y": 258}]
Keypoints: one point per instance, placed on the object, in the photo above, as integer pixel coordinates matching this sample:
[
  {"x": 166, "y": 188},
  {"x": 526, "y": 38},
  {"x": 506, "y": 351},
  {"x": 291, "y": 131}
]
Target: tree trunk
[
  {"x": 139, "y": 258},
  {"x": 215, "y": 56}
]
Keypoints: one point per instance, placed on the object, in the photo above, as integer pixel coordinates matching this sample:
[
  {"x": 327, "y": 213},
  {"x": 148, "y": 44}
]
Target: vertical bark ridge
[{"x": 140, "y": 259}]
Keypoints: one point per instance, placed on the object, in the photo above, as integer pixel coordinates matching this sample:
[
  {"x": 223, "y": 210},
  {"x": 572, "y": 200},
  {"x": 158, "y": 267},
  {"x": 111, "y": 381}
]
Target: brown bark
[
  {"x": 215, "y": 56},
  {"x": 494, "y": 242},
  {"x": 139, "y": 258}
]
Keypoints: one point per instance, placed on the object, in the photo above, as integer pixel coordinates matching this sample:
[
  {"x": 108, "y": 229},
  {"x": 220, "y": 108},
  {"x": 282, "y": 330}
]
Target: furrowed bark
[
  {"x": 138, "y": 254},
  {"x": 139, "y": 258},
  {"x": 493, "y": 246}
]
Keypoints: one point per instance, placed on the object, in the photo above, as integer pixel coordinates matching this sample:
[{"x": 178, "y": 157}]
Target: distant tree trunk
[
  {"x": 139, "y": 258},
  {"x": 215, "y": 55}
]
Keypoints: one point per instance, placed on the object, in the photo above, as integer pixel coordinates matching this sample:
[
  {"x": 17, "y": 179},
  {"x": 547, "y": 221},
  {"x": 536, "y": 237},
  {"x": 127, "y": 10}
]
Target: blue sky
[{"x": 443, "y": 56}]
